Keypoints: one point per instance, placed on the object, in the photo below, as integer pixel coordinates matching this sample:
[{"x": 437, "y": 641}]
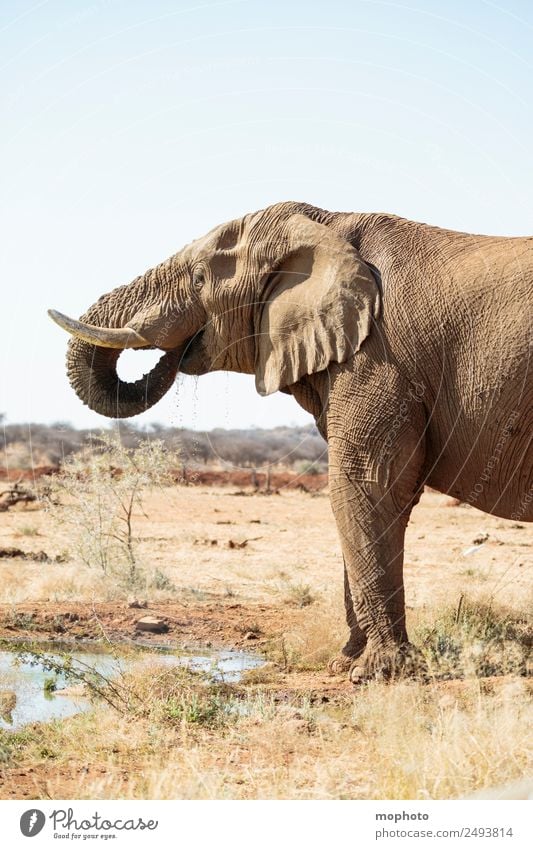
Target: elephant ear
[{"x": 317, "y": 308}]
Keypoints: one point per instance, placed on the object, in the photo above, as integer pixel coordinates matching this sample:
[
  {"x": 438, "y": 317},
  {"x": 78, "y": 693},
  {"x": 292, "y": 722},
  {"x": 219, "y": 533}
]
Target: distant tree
[{"x": 236, "y": 448}]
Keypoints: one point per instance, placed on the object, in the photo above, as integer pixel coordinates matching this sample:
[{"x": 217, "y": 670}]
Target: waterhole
[{"x": 31, "y": 693}]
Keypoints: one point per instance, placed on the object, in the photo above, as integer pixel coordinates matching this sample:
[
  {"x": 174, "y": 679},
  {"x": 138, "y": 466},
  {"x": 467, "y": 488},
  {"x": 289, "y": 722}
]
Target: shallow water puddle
[{"x": 23, "y": 698}]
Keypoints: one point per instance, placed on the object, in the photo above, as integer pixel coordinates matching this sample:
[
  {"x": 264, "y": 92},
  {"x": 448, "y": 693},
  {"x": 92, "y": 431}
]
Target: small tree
[{"x": 98, "y": 493}]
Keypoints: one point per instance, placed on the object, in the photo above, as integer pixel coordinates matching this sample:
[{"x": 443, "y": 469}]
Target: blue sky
[{"x": 131, "y": 127}]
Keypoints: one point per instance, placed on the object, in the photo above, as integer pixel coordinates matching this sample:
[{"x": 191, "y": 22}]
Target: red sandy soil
[
  {"x": 190, "y": 625},
  {"x": 202, "y": 477}
]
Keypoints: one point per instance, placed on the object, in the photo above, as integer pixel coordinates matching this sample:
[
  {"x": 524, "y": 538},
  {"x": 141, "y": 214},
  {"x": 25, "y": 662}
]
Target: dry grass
[
  {"x": 173, "y": 734},
  {"x": 183, "y": 738},
  {"x": 317, "y": 638}
]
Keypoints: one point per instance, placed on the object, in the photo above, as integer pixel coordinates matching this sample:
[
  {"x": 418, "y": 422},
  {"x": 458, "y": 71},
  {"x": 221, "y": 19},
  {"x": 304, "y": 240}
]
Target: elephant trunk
[
  {"x": 92, "y": 371},
  {"x": 103, "y": 333}
]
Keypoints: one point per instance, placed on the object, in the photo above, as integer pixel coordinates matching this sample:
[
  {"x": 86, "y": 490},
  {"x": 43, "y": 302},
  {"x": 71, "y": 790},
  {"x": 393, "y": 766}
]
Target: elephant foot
[
  {"x": 339, "y": 664},
  {"x": 401, "y": 661},
  {"x": 342, "y": 662}
]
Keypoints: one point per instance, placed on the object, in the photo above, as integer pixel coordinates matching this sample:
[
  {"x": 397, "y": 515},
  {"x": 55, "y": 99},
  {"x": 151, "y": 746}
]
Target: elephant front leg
[
  {"x": 372, "y": 538},
  {"x": 372, "y": 494}
]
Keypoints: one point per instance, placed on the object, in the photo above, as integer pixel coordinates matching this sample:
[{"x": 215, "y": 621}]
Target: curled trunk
[
  {"x": 92, "y": 368},
  {"x": 92, "y": 372}
]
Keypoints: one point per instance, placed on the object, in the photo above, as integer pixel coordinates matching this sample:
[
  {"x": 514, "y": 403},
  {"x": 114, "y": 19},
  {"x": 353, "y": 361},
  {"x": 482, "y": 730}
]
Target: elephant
[{"x": 409, "y": 344}]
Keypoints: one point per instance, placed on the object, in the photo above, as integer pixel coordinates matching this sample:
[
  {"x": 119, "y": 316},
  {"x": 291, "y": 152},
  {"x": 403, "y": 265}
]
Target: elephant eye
[{"x": 198, "y": 278}]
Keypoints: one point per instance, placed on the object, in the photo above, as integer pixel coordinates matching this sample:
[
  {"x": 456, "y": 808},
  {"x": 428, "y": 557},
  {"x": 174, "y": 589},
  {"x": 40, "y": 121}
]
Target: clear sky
[{"x": 130, "y": 127}]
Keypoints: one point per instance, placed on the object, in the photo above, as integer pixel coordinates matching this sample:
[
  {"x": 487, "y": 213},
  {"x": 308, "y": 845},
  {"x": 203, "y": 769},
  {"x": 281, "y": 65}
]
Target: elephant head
[{"x": 280, "y": 293}]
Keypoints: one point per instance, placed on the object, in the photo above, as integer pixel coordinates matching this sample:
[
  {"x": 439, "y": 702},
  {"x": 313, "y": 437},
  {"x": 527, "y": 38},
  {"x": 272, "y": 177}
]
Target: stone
[{"x": 154, "y": 624}]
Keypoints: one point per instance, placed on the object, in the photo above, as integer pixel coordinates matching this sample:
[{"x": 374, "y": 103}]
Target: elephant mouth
[{"x": 192, "y": 360}]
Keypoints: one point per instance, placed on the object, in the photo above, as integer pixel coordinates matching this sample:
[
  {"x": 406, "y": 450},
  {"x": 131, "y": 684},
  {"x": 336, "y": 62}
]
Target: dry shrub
[
  {"x": 299, "y": 595},
  {"x": 476, "y": 638},
  {"x": 98, "y": 496}
]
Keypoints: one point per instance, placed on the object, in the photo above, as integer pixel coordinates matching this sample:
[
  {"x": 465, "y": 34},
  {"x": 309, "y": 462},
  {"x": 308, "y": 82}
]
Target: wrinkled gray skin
[{"x": 410, "y": 345}]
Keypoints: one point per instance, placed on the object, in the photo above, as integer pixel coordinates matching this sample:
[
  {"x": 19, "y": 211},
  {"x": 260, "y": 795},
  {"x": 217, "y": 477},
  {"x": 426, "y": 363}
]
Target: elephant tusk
[{"x": 104, "y": 337}]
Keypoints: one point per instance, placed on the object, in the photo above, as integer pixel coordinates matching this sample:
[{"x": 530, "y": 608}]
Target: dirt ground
[
  {"x": 240, "y": 570},
  {"x": 221, "y": 547}
]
